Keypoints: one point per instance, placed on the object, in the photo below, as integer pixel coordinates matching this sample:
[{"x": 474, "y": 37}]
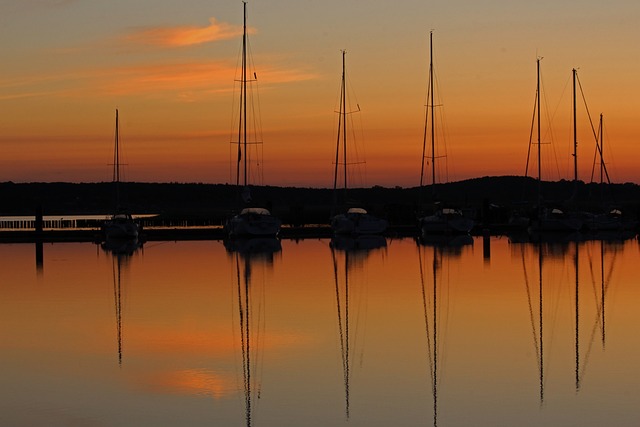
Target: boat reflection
[
  {"x": 435, "y": 311},
  {"x": 256, "y": 248},
  {"x": 121, "y": 246},
  {"x": 120, "y": 262},
  {"x": 449, "y": 243},
  {"x": 348, "y": 253},
  {"x": 537, "y": 335},
  {"x": 550, "y": 291},
  {"x": 362, "y": 244},
  {"x": 249, "y": 292},
  {"x": 600, "y": 281}
]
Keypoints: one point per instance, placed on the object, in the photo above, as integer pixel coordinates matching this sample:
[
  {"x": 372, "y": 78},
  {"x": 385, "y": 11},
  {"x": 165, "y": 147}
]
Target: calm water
[{"x": 310, "y": 334}]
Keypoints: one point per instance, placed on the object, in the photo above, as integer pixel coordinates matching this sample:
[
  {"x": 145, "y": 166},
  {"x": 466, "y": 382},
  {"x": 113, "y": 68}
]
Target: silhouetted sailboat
[
  {"x": 121, "y": 225},
  {"x": 251, "y": 220},
  {"x": 443, "y": 219},
  {"x": 355, "y": 220},
  {"x": 552, "y": 219},
  {"x": 612, "y": 219}
]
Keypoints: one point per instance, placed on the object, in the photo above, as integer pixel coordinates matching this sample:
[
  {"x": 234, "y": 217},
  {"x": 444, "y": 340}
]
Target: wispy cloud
[
  {"x": 181, "y": 81},
  {"x": 181, "y": 36}
]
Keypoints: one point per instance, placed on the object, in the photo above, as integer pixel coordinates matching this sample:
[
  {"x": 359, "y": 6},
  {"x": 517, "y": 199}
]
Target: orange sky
[{"x": 170, "y": 71}]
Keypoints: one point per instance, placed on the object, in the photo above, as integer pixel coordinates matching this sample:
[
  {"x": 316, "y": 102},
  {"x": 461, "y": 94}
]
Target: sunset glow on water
[{"x": 311, "y": 334}]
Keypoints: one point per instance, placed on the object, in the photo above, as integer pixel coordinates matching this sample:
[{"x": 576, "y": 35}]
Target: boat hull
[
  {"x": 568, "y": 224},
  {"x": 247, "y": 225},
  {"x": 443, "y": 223},
  {"x": 608, "y": 222},
  {"x": 358, "y": 223},
  {"x": 121, "y": 227}
]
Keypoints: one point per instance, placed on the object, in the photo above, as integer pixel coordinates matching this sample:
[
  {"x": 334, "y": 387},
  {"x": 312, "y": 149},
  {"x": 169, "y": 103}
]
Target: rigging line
[
  {"x": 550, "y": 119},
  {"x": 339, "y": 310},
  {"x": 586, "y": 107},
  {"x": 247, "y": 325},
  {"x": 599, "y": 308},
  {"x": 604, "y": 133},
  {"x": 118, "y": 306},
  {"x": 531, "y": 316},
  {"x": 260, "y": 337},
  {"x": 424, "y": 138},
  {"x": 577, "y": 318},
  {"x": 346, "y": 329},
  {"x": 595, "y": 134},
  {"x": 426, "y": 317},
  {"x": 242, "y": 321},
  {"x": 540, "y": 302},
  {"x": 234, "y": 275},
  {"x": 435, "y": 332},
  {"x": 533, "y": 121},
  {"x": 595, "y": 154},
  {"x": 444, "y": 132}
]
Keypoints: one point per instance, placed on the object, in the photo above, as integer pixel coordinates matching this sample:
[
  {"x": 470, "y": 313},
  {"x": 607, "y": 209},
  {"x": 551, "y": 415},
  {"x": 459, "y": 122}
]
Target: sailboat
[
  {"x": 356, "y": 220},
  {"x": 443, "y": 219},
  {"x": 554, "y": 219},
  {"x": 612, "y": 219},
  {"x": 252, "y": 220},
  {"x": 121, "y": 225}
]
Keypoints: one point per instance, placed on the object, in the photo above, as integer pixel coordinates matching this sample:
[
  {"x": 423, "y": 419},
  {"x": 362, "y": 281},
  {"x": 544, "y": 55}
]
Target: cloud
[
  {"x": 185, "y": 35},
  {"x": 182, "y": 81}
]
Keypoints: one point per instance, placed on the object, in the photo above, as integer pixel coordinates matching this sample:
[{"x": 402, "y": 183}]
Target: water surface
[{"x": 320, "y": 333}]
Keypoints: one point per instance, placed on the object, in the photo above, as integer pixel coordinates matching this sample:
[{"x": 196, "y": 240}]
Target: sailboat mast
[
  {"x": 116, "y": 154},
  {"x": 433, "y": 135},
  {"x": 243, "y": 118},
  {"x": 116, "y": 162},
  {"x": 538, "y": 125},
  {"x": 575, "y": 132},
  {"x": 341, "y": 132},
  {"x": 577, "y": 269},
  {"x": 601, "y": 150},
  {"x": 344, "y": 121}
]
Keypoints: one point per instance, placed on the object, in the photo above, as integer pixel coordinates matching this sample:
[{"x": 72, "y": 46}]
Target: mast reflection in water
[
  {"x": 342, "y": 332},
  {"x": 248, "y": 254},
  {"x": 353, "y": 251},
  {"x": 121, "y": 252}
]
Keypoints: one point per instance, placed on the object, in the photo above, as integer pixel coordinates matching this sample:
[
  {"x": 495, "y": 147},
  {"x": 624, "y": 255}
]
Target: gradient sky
[{"x": 169, "y": 67}]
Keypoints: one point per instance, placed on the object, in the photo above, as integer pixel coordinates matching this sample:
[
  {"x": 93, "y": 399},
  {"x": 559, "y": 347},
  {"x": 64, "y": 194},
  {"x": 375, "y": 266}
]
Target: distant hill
[{"x": 304, "y": 205}]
